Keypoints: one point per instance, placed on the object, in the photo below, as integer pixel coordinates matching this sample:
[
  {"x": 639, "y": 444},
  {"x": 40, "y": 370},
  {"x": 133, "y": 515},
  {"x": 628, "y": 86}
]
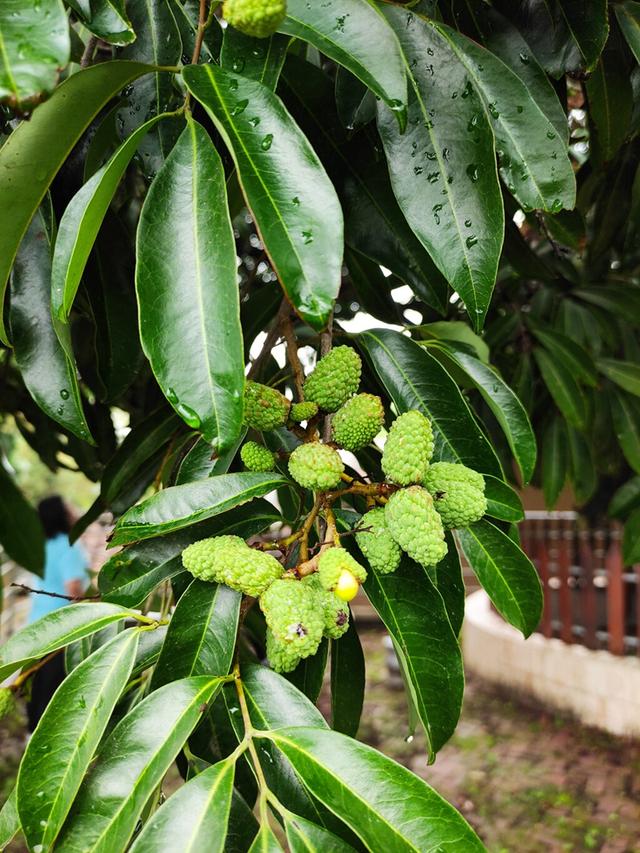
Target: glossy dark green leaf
[
  {"x": 200, "y": 462},
  {"x": 414, "y": 379},
  {"x": 354, "y": 34},
  {"x": 259, "y": 59},
  {"x": 47, "y": 140},
  {"x": 67, "y": 736},
  {"x": 107, "y": 20},
  {"x": 265, "y": 841},
  {"x": 506, "y": 573},
  {"x": 308, "y": 676},
  {"x": 625, "y": 499},
  {"x": 414, "y": 613},
  {"x": 631, "y": 539},
  {"x": 626, "y": 374},
  {"x": 132, "y": 574},
  {"x": 610, "y": 99},
  {"x": 132, "y": 762},
  {"x": 582, "y": 469},
  {"x": 306, "y": 837},
  {"x": 9, "y": 820},
  {"x": 21, "y": 534},
  {"x": 356, "y": 105},
  {"x": 447, "y": 576},
  {"x": 588, "y": 23},
  {"x": 571, "y": 354},
  {"x": 287, "y": 190},
  {"x": 347, "y": 682},
  {"x": 561, "y": 384},
  {"x": 34, "y": 47},
  {"x": 506, "y": 407},
  {"x": 187, "y": 290},
  {"x": 622, "y": 300},
  {"x": 195, "y": 817},
  {"x": 81, "y": 222},
  {"x": 555, "y": 458},
  {"x": 202, "y": 634},
  {"x": 443, "y": 169},
  {"x": 385, "y": 804},
  {"x": 502, "y": 501},
  {"x": 181, "y": 506},
  {"x": 56, "y": 630},
  {"x": 628, "y": 15},
  {"x": 544, "y": 27},
  {"x": 533, "y": 158}
]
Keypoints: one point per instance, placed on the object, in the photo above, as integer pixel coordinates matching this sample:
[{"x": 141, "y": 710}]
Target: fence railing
[{"x": 590, "y": 596}]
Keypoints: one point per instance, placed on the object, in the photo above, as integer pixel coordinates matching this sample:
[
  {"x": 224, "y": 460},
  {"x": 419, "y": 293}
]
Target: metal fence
[{"x": 590, "y": 596}]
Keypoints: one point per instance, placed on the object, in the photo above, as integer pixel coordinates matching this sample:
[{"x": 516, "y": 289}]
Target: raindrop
[
  {"x": 307, "y": 236},
  {"x": 171, "y": 396},
  {"x": 445, "y": 153},
  {"x": 60, "y": 410},
  {"x": 436, "y": 213},
  {"x": 432, "y": 177},
  {"x": 494, "y": 112},
  {"x": 430, "y": 51},
  {"x": 524, "y": 58},
  {"x": 295, "y": 201},
  {"x": 408, "y": 739},
  {"x": 238, "y": 65},
  {"x": 550, "y": 134},
  {"x": 255, "y": 121},
  {"x": 266, "y": 142},
  {"x": 240, "y": 107},
  {"x": 519, "y": 108},
  {"x": 467, "y": 90},
  {"x": 418, "y": 170},
  {"x": 472, "y": 171},
  {"x": 64, "y": 393},
  {"x": 471, "y": 240},
  {"x": 340, "y": 22},
  {"x": 188, "y": 415},
  {"x": 473, "y": 122},
  {"x": 431, "y": 155},
  {"x": 467, "y": 222},
  {"x": 556, "y": 207},
  {"x": 233, "y": 84}
]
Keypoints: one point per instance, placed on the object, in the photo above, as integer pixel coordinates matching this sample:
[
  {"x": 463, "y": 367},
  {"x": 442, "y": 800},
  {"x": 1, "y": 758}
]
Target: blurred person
[{"x": 65, "y": 573}]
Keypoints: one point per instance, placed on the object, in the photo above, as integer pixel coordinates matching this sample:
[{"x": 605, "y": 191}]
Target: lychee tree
[{"x": 205, "y": 215}]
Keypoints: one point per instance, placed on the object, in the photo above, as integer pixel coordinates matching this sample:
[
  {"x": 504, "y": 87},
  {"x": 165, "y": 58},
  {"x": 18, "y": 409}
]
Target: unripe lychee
[
  {"x": 303, "y": 411},
  {"x": 229, "y": 560},
  {"x": 377, "y": 544},
  {"x": 281, "y": 656},
  {"x": 257, "y": 18},
  {"x": 336, "y": 378},
  {"x": 408, "y": 449},
  {"x": 340, "y": 573},
  {"x": 415, "y": 525},
  {"x": 257, "y": 458},
  {"x": 316, "y": 466},
  {"x": 293, "y": 616},
  {"x": 336, "y": 612},
  {"x": 458, "y": 493},
  {"x": 264, "y": 407},
  {"x": 358, "y": 422}
]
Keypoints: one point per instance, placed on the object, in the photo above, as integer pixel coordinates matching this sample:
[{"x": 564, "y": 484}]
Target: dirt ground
[{"x": 529, "y": 780}]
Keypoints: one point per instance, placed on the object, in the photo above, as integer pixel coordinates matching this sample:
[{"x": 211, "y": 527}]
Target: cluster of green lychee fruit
[{"x": 408, "y": 513}]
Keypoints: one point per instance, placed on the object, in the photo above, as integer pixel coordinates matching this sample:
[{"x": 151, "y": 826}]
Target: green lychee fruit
[
  {"x": 377, "y": 544},
  {"x": 316, "y": 466},
  {"x": 340, "y": 573},
  {"x": 264, "y": 407},
  {"x": 358, "y": 422},
  {"x": 293, "y": 616},
  {"x": 413, "y": 522},
  {"x": 257, "y": 18},
  {"x": 257, "y": 458},
  {"x": 408, "y": 449},
  {"x": 229, "y": 560},
  {"x": 336, "y": 378},
  {"x": 7, "y": 701},
  {"x": 303, "y": 412},
  {"x": 457, "y": 492},
  {"x": 281, "y": 656},
  {"x": 335, "y": 610}
]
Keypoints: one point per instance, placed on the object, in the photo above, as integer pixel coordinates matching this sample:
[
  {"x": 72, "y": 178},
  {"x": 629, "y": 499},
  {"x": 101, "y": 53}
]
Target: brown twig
[
  {"x": 203, "y": 23},
  {"x": 88, "y": 52},
  {"x": 57, "y": 594},
  {"x": 292, "y": 355}
]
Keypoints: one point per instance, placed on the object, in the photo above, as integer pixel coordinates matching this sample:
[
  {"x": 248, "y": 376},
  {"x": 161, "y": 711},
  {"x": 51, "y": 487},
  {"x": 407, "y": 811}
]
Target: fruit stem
[
  {"x": 306, "y": 528},
  {"x": 249, "y": 732}
]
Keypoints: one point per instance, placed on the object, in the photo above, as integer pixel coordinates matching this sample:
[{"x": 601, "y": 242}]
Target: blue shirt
[{"x": 63, "y": 563}]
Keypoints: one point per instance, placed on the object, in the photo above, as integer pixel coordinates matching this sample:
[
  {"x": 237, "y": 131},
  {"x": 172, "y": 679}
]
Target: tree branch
[{"x": 57, "y": 594}]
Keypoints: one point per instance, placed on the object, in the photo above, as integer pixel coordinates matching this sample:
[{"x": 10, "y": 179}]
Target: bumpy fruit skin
[
  {"x": 334, "y": 568},
  {"x": 281, "y": 657},
  {"x": 293, "y": 616},
  {"x": 415, "y": 525},
  {"x": 316, "y": 466},
  {"x": 258, "y": 18},
  {"x": 303, "y": 411},
  {"x": 378, "y": 545},
  {"x": 335, "y": 611},
  {"x": 264, "y": 407},
  {"x": 257, "y": 458},
  {"x": 229, "y": 560},
  {"x": 408, "y": 449},
  {"x": 7, "y": 701},
  {"x": 458, "y": 493},
  {"x": 336, "y": 378},
  {"x": 358, "y": 422}
]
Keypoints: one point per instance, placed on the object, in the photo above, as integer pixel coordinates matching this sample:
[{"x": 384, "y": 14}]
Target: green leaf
[
  {"x": 202, "y": 634},
  {"x": 67, "y": 736},
  {"x": 347, "y": 682},
  {"x": 308, "y": 676},
  {"x": 107, "y": 20},
  {"x": 610, "y": 99},
  {"x": 447, "y": 576},
  {"x": 506, "y": 407},
  {"x": 502, "y": 501},
  {"x": 625, "y": 499},
  {"x": 55, "y": 630},
  {"x": 290, "y": 196},
  {"x": 443, "y": 169},
  {"x": 9, "y": 819},
  {"x": 259, "y": 59},
  {"x": 354, "y": 34},
  {"x": 555, "y": 459},
  {"x": 533, "y": 158},
  {"x": 631, "y": 539},
  {"x": 628, "y": 15},
  {"x": 386, "y": 805},
  {"x": 47, "y": 140},
  {"x": 414, "y": 379},
  {"x": 582, "y": 470},
  {"x": 507, "y": 574},
  {"x": 265, "y": 841},
  {"x": 626, "y": 374},
  {"x": 457, "y": 332},
  {"x": 414, "y": 613},
  {"x": 187, "y": 289},
  {"x": 589, "y": 25},
  {"x": 132, "y": 762},
  {"x": 306, "y": 837},
  {"x": 132, "y": 574},
  {"x": 82, "y": 220},
  {"x": 34, "y": 48},
  {"x": 565, "y": 391},
  {"x": 571, "y": 354},
  {"x": 181, "y": 506},
  {"x": 21, "y": 534},
  {"x": 195, "y": 817}
]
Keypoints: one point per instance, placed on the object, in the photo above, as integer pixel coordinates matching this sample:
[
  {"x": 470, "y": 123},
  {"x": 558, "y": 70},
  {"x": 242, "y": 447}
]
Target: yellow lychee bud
[{"x": 347, "y": 586}]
